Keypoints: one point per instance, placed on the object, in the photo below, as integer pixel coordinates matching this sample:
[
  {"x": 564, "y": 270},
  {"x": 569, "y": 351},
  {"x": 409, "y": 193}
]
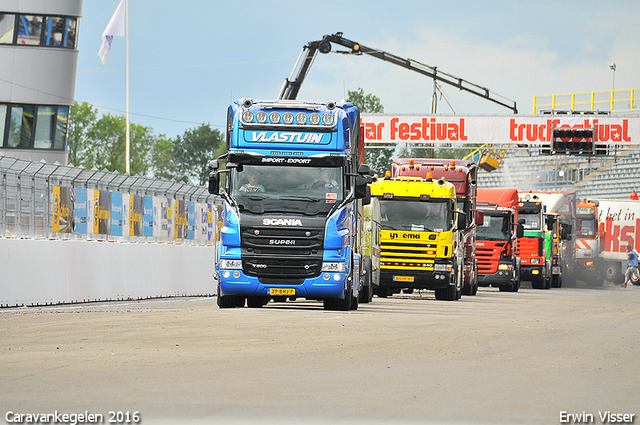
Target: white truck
[{"x": 619, "y": 226}]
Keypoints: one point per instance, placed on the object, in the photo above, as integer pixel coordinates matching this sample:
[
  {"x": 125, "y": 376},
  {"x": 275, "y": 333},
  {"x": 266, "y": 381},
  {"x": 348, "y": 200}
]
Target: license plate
[
  {"x": 403, "y": 278},
  {"x": 282, "y": 291}
]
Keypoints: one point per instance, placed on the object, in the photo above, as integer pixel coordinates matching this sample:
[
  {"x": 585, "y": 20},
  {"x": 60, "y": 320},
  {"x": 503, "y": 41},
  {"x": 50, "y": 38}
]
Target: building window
[
  {"x": 38, "y": 30},
  {"x": 7, "y": 23},
  {"x": 61, "y": 128},
  {"x": 20, "y": 126},
  {"x": 60, "y": 32},
  {"x": 33, "y": 126},
  {"x": 3, "y": 120},
  {"x": 29, "y": 29},
  {"x": 44, "y": 127}
]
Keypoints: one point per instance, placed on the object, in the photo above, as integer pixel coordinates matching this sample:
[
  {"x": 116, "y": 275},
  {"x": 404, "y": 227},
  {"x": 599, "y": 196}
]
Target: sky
[{"x": 189, "y": 60}]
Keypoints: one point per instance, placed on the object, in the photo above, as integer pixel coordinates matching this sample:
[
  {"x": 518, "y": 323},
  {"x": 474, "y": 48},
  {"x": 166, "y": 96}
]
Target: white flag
[{"x": 115, "y": 28}]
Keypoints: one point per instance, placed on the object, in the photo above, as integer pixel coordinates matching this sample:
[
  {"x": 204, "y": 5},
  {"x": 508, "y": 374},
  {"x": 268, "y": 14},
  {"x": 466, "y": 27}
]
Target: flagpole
[{"x": 126, "y": 32}]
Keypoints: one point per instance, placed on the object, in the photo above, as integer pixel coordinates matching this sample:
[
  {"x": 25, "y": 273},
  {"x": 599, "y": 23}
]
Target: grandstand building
[{"x": 38, "y": 61}]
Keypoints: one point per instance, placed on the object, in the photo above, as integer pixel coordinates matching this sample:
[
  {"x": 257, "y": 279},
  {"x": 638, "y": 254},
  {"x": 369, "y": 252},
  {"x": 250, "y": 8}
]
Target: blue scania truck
[{"x": 293, "y": 186}]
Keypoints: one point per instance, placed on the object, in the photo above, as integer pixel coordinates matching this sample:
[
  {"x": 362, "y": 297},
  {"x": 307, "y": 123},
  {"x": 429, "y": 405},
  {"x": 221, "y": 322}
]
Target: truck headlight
[
  {"x": 535, "y": 261},
  {"x": 333, "y": 267},
  {"x": 442, "y": 267},
  {"x": 230, "y": 264},
  {"x": 504, "y": 266}
]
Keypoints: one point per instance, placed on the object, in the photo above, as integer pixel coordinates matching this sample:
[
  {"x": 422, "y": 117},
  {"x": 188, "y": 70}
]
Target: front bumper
[
  {"x": 415, "y": 279},
  {"x": 327, "y": 285},
  {"x": 531, "y": 273},
  {"x": 499, "y": 278}
]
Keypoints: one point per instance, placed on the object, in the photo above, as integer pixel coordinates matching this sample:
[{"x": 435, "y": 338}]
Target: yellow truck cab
[{"x": 420, "y": 239}]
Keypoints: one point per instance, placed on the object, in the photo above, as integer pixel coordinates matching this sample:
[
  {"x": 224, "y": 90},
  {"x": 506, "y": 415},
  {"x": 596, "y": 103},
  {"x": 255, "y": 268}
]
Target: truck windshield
[
  {"x": 531, "y": 221},
  {"x": 287, "y": 189},
  {"x": 494, "y": 228},
  {"x": 587, "y": 227},
  {"x": 432, "y": 216}
]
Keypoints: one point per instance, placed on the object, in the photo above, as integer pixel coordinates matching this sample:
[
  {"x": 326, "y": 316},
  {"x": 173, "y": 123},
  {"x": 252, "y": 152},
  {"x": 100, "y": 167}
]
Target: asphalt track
[{"x": 496, "y": 358}]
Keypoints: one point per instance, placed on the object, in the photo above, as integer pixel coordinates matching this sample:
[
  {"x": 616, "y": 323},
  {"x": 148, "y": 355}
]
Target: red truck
[
  {"x": 463, "y": 174},
  {"x": 496, "y": 239}
]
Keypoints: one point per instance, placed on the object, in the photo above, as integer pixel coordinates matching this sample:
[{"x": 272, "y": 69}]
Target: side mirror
[
  {"x": 213, "y": 165},
  {"x": 479, "y": 218},
  {"x": 214, "y": 183},
  {"x": 462, "y": 220},
  {"x": 519, "y": 230},
  {"x": 364, "y": 169},
  {"x": 362, "y": 189},
  {"x": 367, "y": 199},
  {"x": 238, "y": 167}
]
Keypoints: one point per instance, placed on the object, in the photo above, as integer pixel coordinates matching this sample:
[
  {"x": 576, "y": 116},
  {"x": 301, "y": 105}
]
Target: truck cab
[
  {"x": 421, "y": 236},
  {"x": 293, "y": 188},
  {"x": 463, "y": 174},
  {"x": 497, "y": 237},
  {"x": 534, "y": 253}
]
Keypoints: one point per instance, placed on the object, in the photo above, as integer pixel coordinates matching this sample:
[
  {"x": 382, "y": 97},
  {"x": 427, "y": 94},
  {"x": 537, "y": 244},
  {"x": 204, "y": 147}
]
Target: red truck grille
[{"x": 488, "y": 256}]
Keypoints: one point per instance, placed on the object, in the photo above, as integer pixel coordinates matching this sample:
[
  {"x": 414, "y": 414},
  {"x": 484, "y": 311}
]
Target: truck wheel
[
  {"x": 470, "y": 290},
  {"x": 538, "y": 283},
  {"x": 366, "y": 291},
  {"x": 354, "y": 302},
  {"x": 383, "y": 292},
  {"x": 257, "y": 302},
  {"x": 516, "y": 285},
  {"x": 612, "y": 273},
  {"x": 450, "y": 293},
  {"x": 556, "y": 281},
  {"x": 340, "y": 304},
  {"x": 228, "y": 301}
]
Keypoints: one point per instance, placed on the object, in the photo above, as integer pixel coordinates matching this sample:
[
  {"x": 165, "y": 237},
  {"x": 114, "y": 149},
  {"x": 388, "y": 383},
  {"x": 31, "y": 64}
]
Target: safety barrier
[{"x": 72, "y": 235}]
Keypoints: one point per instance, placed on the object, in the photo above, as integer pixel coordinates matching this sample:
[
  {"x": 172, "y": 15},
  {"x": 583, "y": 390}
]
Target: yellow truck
[{"x": 421, "y": 230}]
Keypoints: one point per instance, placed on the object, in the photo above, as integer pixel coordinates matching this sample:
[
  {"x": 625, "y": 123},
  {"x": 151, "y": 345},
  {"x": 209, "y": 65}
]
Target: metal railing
[
  {"x": 611, "y": 100},
  {"x": 39, "y": 200}
]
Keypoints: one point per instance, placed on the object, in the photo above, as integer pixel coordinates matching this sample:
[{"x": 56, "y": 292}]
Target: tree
[
  {"x": 100, "y": 142},
  {"x": 365, "y": 102},
  {"x": 426, "y": 151},
  {"x": 379, "y": 159},
  {"x": 83, "y": 117},
  {"x": 193, "y": 151},
  {"x": 162, "y": 164},
  {"x": 109, "y": 145}
]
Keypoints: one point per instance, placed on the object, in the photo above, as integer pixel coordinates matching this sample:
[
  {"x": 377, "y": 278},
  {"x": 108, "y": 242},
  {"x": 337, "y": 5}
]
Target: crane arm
[{"x": 292, "y": 84}]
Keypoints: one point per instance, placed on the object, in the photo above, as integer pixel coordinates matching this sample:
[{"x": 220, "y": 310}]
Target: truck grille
[
  {"x": 528, "y": 247},
  {"x": 407, "y": 255},
  {"x": 282, "y": 254},
  {"x": 488, "y": 257}
]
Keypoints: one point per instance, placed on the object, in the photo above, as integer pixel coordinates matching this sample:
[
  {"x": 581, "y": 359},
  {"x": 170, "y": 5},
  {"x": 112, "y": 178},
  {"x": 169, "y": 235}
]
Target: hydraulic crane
[{"x": 291, "y": 86}]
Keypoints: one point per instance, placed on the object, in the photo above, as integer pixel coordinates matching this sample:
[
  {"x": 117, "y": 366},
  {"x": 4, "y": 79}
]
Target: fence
[
  {"x": 612, "y": 100},
  {"x": 39, "y": 200}
]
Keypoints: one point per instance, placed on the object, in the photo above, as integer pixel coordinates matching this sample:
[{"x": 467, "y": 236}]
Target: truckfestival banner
[{"x": 502, "y": 130}]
